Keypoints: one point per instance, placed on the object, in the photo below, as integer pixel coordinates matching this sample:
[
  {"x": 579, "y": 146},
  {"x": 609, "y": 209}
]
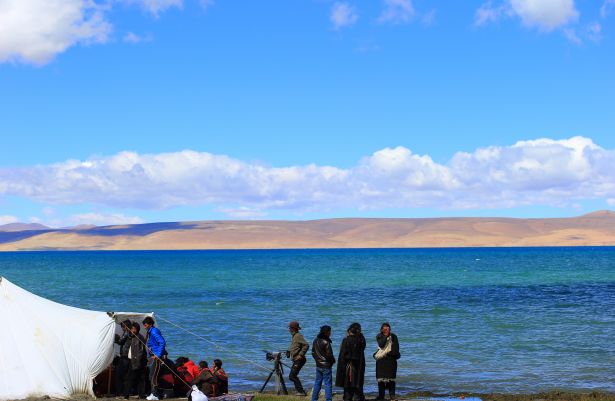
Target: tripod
[{"x": 278, "y": 369}]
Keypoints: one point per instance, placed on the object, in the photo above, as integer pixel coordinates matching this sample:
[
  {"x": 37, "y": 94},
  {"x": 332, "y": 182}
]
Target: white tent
[{"x": 47, "y": 348}]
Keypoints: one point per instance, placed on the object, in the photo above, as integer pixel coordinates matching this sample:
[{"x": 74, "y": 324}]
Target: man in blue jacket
[{"x": 155, "y": 352}]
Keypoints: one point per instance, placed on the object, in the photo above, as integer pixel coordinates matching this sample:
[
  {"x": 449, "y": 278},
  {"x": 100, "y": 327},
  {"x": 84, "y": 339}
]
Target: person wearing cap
[{"x": 298, "y": 349}]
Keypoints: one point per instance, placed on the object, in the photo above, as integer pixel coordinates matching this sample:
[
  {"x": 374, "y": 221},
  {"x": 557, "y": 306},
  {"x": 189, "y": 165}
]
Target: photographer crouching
[{"x": 298, "y": 349}]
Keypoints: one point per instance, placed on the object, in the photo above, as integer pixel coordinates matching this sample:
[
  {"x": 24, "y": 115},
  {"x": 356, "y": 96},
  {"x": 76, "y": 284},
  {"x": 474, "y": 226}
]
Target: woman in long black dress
[
  {"x": 351, "y": 363},
  {"x": 386, "y": 361}
]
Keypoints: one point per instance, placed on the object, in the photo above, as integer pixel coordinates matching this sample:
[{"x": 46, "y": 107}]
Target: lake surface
[{"x": 468, "y": 320}]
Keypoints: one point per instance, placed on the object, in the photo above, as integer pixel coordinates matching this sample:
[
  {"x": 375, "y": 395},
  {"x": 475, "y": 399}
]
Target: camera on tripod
[
  {"x": 272, "y": 356},
  {"x": 278, "y": 370}
]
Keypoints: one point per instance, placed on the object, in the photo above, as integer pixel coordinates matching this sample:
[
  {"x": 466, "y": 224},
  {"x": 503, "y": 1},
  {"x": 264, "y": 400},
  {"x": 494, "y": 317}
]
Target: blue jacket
[{"x": 155, "y": 342}]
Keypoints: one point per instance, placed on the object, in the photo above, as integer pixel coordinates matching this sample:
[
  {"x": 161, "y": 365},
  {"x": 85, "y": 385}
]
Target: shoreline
[{"x": 420, "y": 395}]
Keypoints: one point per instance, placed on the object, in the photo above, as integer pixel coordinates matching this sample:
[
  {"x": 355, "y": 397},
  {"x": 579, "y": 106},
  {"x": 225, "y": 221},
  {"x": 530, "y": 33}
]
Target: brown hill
[{"x": 594, "y": 229}]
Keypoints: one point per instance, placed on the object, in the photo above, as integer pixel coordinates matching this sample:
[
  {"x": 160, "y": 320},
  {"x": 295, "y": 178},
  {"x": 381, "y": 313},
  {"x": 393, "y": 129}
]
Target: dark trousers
[
  {"x": 135, "y": 380},
  {"x": 153, "y": 366},
  {"x": 294, "y": 374},
  {"x": 349, "y": 393},
  {"x": 121, "y": 371},
  {"x": 383, "y": 386},
  {"x": 358, "y": 394}
]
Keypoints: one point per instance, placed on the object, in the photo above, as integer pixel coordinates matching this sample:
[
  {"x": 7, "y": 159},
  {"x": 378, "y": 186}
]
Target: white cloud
[
  {"x": 397, "y": 11},
  {"x": 545, "y": 15},
  {"x": 488, "y": 13},
  {"x": 571, "y": 35},
  {"x": 611, "y": 201},
  {"x": 155, "y": 7},
  {"x": 6, "y": 219},
  {"x": 243, "y": 212},
  {"x": 34, "y": 31},
  {"x": 593, "y": 31},
  {"x": 536, "y": 172},
  {"x": 428, "y": 18},
  {"x": 133, "y": 38},
  {"x": 205, "y": 4},
  {"x": 607, "y": 8},
  {"x": 102, "y": 219},
  {"x": 343, "y": 15}
]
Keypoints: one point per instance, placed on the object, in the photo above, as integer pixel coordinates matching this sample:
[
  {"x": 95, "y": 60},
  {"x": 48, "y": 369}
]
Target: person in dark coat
[
  {"x": 351, "y": 363},
  {"x": 359, "y": 395},
  {"x": 122, "y": 369},
  {"x": 386, "y": 361},
  {"x": 137, "y": 355}
]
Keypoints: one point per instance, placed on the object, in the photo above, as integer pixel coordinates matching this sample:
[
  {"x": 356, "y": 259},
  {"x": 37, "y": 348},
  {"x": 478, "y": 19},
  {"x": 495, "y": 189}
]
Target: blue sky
[{"x": 158, "y": 110}]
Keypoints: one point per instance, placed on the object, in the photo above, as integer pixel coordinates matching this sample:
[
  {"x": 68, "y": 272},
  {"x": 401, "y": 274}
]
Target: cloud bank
[{"x": 537, "y": 172}]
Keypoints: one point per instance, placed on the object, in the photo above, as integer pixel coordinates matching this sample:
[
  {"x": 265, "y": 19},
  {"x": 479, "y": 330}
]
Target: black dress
[
  {"x": 386, "y": 368},
  {"x": 351, "y": 364}
]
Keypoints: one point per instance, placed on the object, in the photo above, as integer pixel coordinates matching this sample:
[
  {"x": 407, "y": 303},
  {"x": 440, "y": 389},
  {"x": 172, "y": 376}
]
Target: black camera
[{"x": 276, "y": 356}]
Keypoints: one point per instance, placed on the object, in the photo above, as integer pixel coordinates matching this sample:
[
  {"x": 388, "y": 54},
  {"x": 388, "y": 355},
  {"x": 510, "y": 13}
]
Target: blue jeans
[{"x": 323, "y": 375}]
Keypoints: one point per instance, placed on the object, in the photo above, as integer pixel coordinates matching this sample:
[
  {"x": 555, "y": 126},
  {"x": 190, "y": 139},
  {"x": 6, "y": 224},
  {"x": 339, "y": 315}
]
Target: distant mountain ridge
[
  {"x": 593, "y": 229},
  {"x": 23, "y": 227}
]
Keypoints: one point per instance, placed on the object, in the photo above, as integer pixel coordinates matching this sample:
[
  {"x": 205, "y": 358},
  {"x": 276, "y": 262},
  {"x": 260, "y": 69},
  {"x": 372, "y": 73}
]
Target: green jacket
[{"x": 298, "y": 346}]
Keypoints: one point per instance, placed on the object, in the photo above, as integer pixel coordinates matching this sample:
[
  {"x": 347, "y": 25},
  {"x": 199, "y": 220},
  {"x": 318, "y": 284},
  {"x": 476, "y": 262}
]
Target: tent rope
[{"x": 238, "y": 356}]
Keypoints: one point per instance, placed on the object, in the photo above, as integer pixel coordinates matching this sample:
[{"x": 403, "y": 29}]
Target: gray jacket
[{"x": 138, "y": 354}]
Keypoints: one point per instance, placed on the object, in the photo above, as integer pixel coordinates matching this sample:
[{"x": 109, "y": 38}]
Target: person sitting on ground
[
  {"x": 206, "y": 381},
  {"x": 192, "y": 368},
  {"x": 221, "y": 376},
  {"x": 181, "y": 388}
]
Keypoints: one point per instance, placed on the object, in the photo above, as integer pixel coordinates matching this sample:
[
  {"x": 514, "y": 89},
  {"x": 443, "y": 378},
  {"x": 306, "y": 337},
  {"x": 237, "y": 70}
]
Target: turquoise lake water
[{"x": 468, "y": 320}]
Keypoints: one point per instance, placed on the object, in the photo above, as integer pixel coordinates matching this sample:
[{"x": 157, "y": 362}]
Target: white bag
[{"x": 197, "y": 395}]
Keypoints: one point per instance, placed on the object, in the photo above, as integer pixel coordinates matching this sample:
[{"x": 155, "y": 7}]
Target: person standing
[
  {"x": 359, "y": 395},
  {"x": 351, "y": 363},
  {"x": 156, "y": 350},
  {"x": 323, "y": 356},
  {"x": 122, "y": 368},
  {"x": 386, "y": 361},
  {"x": 298, "y": 349},
  {"x": 138, "y": 360}
]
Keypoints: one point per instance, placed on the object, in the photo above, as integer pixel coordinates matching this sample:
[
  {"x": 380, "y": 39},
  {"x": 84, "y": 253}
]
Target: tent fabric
[{"x": 47, "y": 348}]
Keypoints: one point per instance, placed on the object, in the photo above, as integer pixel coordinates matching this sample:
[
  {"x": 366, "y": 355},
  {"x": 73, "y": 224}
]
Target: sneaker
[{"x": 152, "y": 397}]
